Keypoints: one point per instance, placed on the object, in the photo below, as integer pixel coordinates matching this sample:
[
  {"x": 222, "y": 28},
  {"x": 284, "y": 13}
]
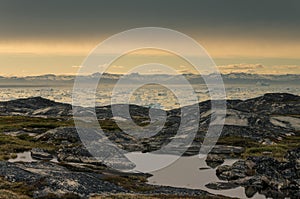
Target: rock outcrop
[
  {"x": 265, "y": 120},
  {"x": 56, "y": 180},
  {"x": 264, "y": 175},
  {"x": 271, "y": 116},
  {"x": 51, "y": 178},
  {"x": 35, "y": 106}
]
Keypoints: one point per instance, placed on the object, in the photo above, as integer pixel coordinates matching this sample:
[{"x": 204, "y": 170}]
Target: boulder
[
  {"x": 40, "y": 154},
  {"x": 214, "y": 160},
  {"x": 265, "y": 175},
  {"x": 250, "y": 191},
  {"x": 236, "y": 171},
  {"x": 221, "y": 185},
  {"x": 225, "y": 149}
]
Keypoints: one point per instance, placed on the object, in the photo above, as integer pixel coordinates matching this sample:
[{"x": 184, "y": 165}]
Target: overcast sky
[{"x": 38, "y": 37}]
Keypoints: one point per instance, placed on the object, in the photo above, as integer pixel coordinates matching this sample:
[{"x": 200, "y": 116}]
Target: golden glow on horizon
[
  {"x": 216, "y": 47},
  {"x": 141, "y": 57},
  {"x": 45, "y": 48},
  {"x": 59, "y": 57}
]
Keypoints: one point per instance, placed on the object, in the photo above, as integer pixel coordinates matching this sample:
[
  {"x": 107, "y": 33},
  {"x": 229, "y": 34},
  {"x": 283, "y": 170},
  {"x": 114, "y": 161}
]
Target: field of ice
[{"x": 150, "y": 95}]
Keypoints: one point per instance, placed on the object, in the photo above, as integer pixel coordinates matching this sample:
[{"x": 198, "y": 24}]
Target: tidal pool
[
  {"x": 186, "y": 172},
  {"x": 26, "y": 157}
]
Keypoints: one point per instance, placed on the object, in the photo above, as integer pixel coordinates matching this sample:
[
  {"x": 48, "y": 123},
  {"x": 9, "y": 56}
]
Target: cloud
[
  {"x": 76, "y": 66},
  {"x": 117, "y": 66},
  {"x": 155, "y": 71},
  {"x": 241, "y": 68},
  {"x": 286, "y": 69},
  {"x": 293, "y": 67},
  {"x": 182, "y": 66},
  {"x": 107, "y": 67},
  {"x": 103, "y": 66},
  {"x": 184, "y": 71},
  {"x": 259, "y": 69}
]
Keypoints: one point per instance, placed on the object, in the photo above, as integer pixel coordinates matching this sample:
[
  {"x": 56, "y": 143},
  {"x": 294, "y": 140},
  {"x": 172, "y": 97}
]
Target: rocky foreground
[
  {"x": 266, "y": 175},
  {"x": 263, "y": 132}
]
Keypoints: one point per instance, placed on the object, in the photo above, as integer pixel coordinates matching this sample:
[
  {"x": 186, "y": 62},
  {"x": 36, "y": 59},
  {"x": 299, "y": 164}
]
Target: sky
[{"x": 43, "y": 37}]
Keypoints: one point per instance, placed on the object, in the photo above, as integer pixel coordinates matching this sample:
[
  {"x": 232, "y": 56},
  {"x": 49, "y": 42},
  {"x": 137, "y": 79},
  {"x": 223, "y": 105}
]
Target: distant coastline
[{"x": 106, "y": 78}]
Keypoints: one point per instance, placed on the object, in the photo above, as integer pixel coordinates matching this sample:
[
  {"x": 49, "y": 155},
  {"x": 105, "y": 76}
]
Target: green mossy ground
[
  {"x": 130, "y": 182},
  {"x": 252, "y": 148},
  {"x": 10, "y": 145},
  {"x": 16, "y": 123}
]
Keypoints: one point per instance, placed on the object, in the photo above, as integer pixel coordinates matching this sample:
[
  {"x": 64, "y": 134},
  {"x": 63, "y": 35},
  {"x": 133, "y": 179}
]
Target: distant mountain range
[{"x": 68, "y": 80}]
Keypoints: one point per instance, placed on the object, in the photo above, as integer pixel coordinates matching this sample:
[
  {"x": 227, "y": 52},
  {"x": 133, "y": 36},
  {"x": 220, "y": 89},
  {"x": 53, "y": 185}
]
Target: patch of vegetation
[
  {"x": 130, "y": 182},
  {"x": 109, "y": 125},
  {"x": 64, "y": 196},
  {"x": 141, "y": 120},
  {"x": 15, "y": 123},
  {"x": 7, "y": 194},
  {"x": 16, "y": 190},
  {"x": 10, "y": 145},
  {"x": 237, "y": 141},
  {"x": 22, "y": 190},
  {"x": 277, "y": 151},
  {"x": 253, "y": 148}
]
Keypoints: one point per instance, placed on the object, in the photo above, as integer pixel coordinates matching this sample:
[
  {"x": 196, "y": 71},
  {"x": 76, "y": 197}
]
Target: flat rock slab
[
  {"x": 57, "y": 179},
  {"x": 221, "y": 185},
  {"x": 40, "y": 154},
  {"x": 225, "y": 149}
]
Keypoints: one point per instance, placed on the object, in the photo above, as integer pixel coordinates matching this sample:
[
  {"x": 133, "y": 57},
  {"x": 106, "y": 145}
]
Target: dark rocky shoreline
[
  {"x": 266, "y": 175},
  {"x": 260, "y": 124}
]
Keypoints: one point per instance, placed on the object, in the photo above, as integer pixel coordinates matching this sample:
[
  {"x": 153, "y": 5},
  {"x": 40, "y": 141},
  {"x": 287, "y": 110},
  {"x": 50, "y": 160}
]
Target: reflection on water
[
  {"x": 186, "y": 172},
  {"x": 26, "y": 157},
  {"x": 151, "y": 95},
  {"x": 147, "y": 162},
  {"x": 23, "y": 157}
]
